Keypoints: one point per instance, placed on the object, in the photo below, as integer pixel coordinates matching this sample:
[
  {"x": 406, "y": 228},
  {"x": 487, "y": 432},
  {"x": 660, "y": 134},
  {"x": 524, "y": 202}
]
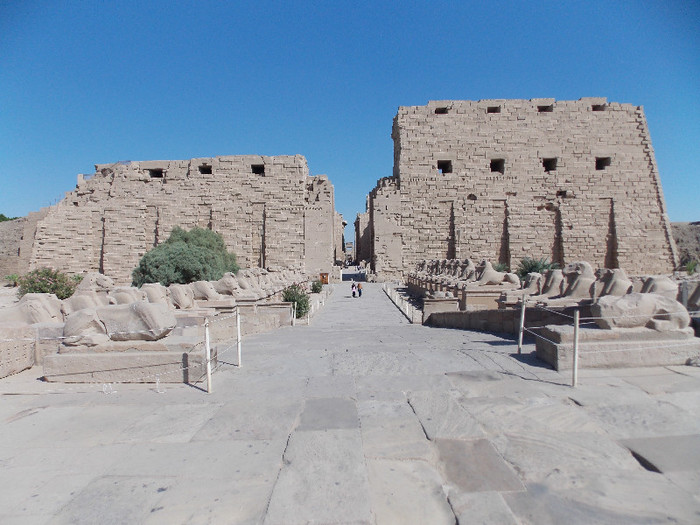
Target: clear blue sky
[{"x": 84, "y": 83}]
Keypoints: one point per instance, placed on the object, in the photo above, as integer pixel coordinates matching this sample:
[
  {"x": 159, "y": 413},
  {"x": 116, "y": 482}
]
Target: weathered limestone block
[
  {"x": 489, "y": 275},
  {"x": 533, "y": 284},
  {"x": 205, "y": 291},
  {"x": 95, "y": 282},
  {"x": 579, "y": 280},
  {"x": 468, "y": 271},
  {"x": 246, "y": 287},
  {"x": 227, "y": 285},
  {"x": 16, "y": 349},
  {"x": 182, "y": 296},
  {"x": 33, "y": 308},
  {"x": 137, "y": 321},
  {"x": 633, "y": 310},
  {"x": 553, "y": 283},
  {"x": 611, "y": 282},
  {"x": 694, "y": 298},
  {"x": 661, "y": 285},
  {"x": 84, "y": 328},
  {"x": 155, "y": 293},
  {"x": 84, "y": 299},
  {"x": 127, "y": 295}
]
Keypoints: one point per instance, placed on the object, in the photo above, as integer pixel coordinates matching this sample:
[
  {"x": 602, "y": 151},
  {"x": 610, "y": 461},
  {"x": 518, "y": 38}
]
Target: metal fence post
[
  {"x": 207, "y": 354},
  {"x": 238, "y": 336},
  {"x": 522, "y": 326},
  {"x": 574, "y": 374}
]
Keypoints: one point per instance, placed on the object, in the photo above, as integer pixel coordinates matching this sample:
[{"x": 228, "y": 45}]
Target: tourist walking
[
  {"x": 359, "y": 289},
  {"x": 354, "y": 288}
]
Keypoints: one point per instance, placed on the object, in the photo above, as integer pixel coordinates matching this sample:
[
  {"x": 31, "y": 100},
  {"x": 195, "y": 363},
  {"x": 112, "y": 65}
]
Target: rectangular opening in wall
[
  {"x": 549, "y": 164},
  {"x": 598, "y": 107},
  {"x": 602, "y": 162},
  {"x": 258, "y": 169},
  {"x": 205, "y": 169},
  {"x": 498, "y": 165},
  {"x": 545, "y": 109},
  {"x": 441, "y": 111},
  {"x": 444, "y": 166},
  {"x": 156, "y": 173},
  {"x": 493, "y": 109}
]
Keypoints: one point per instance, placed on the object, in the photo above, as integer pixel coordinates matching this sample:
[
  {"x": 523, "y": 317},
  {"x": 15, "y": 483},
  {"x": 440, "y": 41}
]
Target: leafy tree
[
  {"x": 4, "y": 218},
  {"x": 187, "y": 256},
  {"x": 47, "y": 280},
  {"x": 530, "y": 265},
  {"x": 317, "y": 286},
  {"x": 296, "y": 294}
]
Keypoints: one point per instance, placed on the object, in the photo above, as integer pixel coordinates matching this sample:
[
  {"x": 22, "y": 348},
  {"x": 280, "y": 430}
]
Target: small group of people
[{"x": 356, "y": 289}]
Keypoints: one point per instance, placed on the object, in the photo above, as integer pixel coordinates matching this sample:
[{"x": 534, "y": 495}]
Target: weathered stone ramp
[{"x": 359, "y": 418}]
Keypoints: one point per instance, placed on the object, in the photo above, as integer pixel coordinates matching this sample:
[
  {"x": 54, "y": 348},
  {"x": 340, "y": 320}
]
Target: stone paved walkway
[{"x": 358, "y": 418}]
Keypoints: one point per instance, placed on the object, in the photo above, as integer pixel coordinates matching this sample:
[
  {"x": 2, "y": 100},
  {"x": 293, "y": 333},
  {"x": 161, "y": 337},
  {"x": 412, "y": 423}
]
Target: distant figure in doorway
[
  {"x": 359, "y": 289},
  {"x": 354, "y": 288}
]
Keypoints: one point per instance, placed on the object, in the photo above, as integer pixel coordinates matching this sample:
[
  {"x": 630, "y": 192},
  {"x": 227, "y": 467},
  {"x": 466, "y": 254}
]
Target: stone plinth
[
  {"x": 16, "y": 349},
  {"x": 125, "y": 367},
  {"x": 485, "y": 296},
  {"x": 431, "y": 306},
  {"x": 622, "y": 347}
]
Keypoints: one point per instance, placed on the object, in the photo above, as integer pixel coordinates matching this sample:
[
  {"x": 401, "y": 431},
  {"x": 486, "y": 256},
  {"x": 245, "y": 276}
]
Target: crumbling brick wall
[
  {"x": 506, "y": 179},
  {"x": 258, "y": 204}
]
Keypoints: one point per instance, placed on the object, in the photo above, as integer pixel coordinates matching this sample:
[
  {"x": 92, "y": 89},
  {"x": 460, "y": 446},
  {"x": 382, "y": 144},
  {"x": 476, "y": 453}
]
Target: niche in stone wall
[
  {"x": 602, "y": 162},
  {"x": 611, "y": 258},
  {"x": 549, "y": 164},
  {"x": 257, "y": 169},
  {"x": 444, "y": 166},
  {"x": 156, "y": 173},
  {"x": 498, "y": 165}
]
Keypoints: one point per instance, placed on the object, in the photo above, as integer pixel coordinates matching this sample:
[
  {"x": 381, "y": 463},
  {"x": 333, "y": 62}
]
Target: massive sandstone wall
[
  {"x": 506, "y": 179},
  {"x": 270, "y": 212}
]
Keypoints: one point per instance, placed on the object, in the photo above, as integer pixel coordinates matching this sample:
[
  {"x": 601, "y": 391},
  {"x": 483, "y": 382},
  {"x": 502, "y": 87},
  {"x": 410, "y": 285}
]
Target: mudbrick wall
[
  {"x": 270, "y": 212},
  {"x": 507, "y": 179}
]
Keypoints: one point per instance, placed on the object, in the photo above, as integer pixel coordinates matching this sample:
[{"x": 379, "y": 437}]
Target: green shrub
[
  {"x": 47, "y": 280},
  {"x": 530, "y": 265},
  {"x": 691, "y": 267},
  {"x": 500, "y": 267},
  {"x": 317, "y": 286},
  {"x": 186, "y": 257},
  {"x": 296, "y": 294},
  {"x": 4, "y": 218},
  {"x": 13, "y": 278}
]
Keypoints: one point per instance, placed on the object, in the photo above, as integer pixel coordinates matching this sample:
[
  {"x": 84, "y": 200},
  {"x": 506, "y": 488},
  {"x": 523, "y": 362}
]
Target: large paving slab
[{"x": 359, "y": 417}]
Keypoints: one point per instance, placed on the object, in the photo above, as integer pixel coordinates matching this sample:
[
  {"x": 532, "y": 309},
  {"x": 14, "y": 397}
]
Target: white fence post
[
  {"x": 574, "y": 374},
  {"x": 238, "y": 335},
  {"x": 294, "y": 314},
  {"x": 207, "y": 354},
  {"x": 522, "y": 326}
]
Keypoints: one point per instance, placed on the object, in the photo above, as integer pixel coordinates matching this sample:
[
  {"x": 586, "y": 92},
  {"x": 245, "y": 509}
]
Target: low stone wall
[
  {"x": 622, "y": 347},
  {"x": 500, "y": 321}
]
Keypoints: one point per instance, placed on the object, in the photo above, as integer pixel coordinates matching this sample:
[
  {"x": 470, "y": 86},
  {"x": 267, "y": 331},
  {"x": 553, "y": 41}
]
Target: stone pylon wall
[
  {"x": 506, "y": 179},
  {"x": 260, "y": 205}
]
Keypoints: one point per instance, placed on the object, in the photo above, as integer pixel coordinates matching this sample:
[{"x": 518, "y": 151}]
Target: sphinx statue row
[
  {"x": 576, "y": 284},
  {"x": 461, "y": 273},
  {"x": 99, "y": 311}
]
